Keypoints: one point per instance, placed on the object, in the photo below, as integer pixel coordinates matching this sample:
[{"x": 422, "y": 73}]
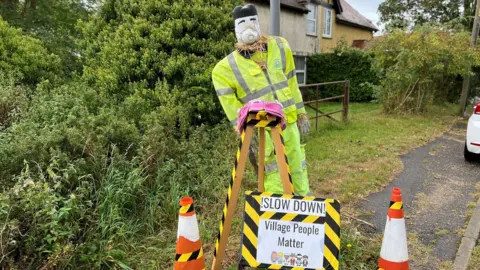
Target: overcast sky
[{"x": 367, "y": 8}]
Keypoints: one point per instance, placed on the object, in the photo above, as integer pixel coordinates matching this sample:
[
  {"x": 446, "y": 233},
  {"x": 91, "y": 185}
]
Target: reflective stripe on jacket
[{"x": 238, "y": 80}]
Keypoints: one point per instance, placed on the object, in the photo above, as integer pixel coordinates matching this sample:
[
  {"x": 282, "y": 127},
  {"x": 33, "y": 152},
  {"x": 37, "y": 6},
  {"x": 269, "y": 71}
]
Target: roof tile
[
  {"x": 352, "y": 16},
  {"x": 298, "y": 5}
]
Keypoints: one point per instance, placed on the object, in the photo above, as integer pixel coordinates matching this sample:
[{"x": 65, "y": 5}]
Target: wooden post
[
  {"x": 261, "y": 160},
  {"x": 316, "y": 105},
  {"x": 231, "y": 203},
  {"x": 466, "y": 79},
  {"x": 281, "y": 161},
  {"x": 346, "y": 99}
]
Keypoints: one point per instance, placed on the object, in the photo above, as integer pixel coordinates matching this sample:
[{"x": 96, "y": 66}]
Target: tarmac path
[{"x": 437, "y": 187}]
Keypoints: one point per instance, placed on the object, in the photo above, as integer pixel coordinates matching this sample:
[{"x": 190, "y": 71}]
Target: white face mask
[{"x": 247, "y": 29}]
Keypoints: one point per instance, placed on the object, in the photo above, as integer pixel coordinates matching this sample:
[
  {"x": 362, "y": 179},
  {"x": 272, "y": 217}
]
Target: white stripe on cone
[
  {"x": 394, "y": 245},
  {"x": 188, "y": 228}
]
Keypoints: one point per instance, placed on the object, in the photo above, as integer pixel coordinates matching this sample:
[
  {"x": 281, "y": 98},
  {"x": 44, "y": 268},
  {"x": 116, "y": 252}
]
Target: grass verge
[
  {"x": 475, "y": 259},
  {"x": 349, "y": 161}
]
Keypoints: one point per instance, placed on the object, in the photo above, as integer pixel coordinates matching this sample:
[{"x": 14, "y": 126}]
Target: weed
[
  {"x": 474, "y": 259},
  {"x": 442, "y": 232}
]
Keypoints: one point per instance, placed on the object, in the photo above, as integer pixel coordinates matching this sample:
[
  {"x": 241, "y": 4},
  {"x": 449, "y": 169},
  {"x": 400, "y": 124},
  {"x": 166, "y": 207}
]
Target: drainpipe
[{"x": 275, "y": 17}]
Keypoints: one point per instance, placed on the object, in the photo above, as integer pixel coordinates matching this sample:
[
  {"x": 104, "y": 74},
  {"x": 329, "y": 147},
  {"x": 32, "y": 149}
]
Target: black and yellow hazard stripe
[
  {"x": 259, "y": 120},
  {"x": 262, "y": 123},
  {"x": 189, "y": 256},
  {"x": 396, "y": 205},
  {"x": 187, "y": 209},
  {"x": 331, "y": 251},
  {"x": 252, "y": 217},
  {"x": 250, "y": 230},
  {"x": 229, "y": 192},
  {"x": 395, "y": 210}
]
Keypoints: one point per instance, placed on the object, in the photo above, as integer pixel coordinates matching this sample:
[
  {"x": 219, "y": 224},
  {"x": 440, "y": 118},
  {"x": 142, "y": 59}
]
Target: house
[
  {"x": 315, "y": 26},
  {"x": 293, "y": 28},
  {"x": 337, "y": 20}
]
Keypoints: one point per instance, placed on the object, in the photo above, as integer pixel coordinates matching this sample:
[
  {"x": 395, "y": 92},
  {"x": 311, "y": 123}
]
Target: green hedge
[{"x": 351, "y": 64}]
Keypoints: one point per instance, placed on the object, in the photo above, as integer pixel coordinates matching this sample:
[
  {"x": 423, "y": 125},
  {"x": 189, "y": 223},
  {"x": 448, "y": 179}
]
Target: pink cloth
[{"x": 272, "y": 108}]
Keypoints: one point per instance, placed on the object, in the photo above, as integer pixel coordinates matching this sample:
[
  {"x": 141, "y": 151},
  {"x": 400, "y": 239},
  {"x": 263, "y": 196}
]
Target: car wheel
[{"x": 469, "y": 156}]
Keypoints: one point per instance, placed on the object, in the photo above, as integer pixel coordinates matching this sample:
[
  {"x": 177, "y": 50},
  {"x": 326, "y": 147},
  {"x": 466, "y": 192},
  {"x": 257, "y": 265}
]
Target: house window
[
  {"x": 312, "y": 19},
  {"x": 327, "y": 22},
  {"x": 301, "y": 69}
]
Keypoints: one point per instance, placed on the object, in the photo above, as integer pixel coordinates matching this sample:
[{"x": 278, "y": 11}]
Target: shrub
[
  {"x": 90, "y": 188},
  {"x": 56, "y": 215},
  {"x": 344, "y": 64},
  {"x": 88, "y": 184},
  {"x": 70, "y": 119},
  {"x": 26, "y": 57},
  {"x": 421, "y": 66},
  {"x": 13, "y": 100}
]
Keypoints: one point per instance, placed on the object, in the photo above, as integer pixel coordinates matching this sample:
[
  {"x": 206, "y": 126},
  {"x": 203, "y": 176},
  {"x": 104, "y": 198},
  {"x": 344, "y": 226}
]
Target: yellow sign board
[{"x": 290, "y": 232}]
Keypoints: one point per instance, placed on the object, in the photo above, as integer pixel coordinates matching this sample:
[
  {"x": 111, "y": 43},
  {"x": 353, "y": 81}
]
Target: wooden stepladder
[{"x": 259, "y": 120}]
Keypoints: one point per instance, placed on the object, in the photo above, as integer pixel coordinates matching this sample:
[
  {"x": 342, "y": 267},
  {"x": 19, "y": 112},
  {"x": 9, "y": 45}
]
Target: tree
[
  {"x": 52, "y": 21},
  {"x": 161, "y": 52},
  {"x": 419, "y": 66},
  {"x": 25, "y": 58},
  {"x": 408, "y": 13}
]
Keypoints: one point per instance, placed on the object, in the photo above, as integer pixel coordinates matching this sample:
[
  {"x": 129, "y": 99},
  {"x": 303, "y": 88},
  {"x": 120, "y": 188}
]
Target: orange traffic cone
[
  {"x": 189, "y": 246},
  {"x": 394, "y": 253}
]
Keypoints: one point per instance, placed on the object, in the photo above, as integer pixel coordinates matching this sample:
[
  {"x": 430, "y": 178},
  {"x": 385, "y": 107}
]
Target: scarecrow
[{"x": 262, "y": 67}]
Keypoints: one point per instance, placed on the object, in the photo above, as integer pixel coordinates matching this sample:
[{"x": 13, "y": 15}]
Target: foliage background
[
  {"x": 407, "y": 14},
  {"x": 53, "y": 22},
  {"x": 422, "y": 67},
  {"x": 94, "y": 156},
  {"x": 344, "y": 63}
]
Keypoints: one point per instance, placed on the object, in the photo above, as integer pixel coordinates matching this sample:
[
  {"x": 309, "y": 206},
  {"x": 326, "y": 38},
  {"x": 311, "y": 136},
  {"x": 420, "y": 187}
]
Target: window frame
[
  {"x": 304, "y": 70},
  {"x": 315, "y": 20},
  {"x": 327, "y": 11}
]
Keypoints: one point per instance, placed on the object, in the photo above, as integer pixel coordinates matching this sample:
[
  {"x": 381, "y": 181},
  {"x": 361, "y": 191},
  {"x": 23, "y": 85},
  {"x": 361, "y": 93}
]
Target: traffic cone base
[
  {"x": 189, "y": 252},
  {"x": 394, "y": 252},
  {"x": 386, "y": 265}
]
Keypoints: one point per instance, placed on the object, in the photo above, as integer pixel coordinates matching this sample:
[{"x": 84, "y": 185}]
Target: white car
[{"x": 472, "y": 143}]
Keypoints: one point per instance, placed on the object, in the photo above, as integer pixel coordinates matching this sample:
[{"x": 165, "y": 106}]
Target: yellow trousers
[{"x": 296, "y": 161}]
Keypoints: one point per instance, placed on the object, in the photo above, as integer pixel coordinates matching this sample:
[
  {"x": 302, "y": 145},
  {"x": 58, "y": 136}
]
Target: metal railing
[{"x": 318, "y": 113}]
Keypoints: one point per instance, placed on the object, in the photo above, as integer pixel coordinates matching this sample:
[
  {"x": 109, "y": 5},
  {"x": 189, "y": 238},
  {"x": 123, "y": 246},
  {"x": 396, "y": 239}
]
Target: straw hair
[{"x": 258, "y": 46}]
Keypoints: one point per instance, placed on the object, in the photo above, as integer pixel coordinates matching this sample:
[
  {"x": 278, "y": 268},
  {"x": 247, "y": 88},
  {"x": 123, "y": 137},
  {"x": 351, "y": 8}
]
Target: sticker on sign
[
  {"x": 304, "y": 241},
  {"x": 303, "y": 207}
]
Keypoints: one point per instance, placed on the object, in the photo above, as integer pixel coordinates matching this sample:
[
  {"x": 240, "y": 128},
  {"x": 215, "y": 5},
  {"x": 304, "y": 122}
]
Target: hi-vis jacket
[{"x": 238, "y": 80}]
